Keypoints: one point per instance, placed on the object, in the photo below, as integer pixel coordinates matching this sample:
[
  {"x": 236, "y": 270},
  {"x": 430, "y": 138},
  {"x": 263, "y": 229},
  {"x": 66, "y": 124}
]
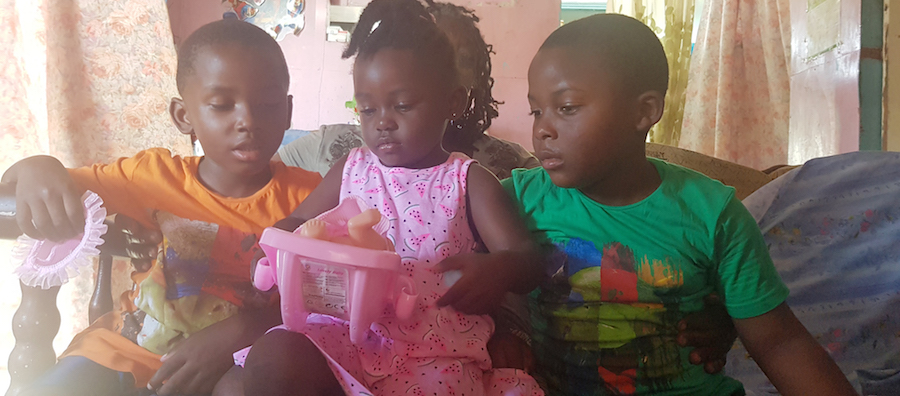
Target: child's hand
[
  {"x": 486, "y": 278},
  {"x": 711, "y": 332},
  {"x": 141, "y": 244},
  {"x": 197, "y": 363},
  {"x": 509, "y": 351},
  {"x": 288, "y": 224},
  {"x": 48, "y": 204}
]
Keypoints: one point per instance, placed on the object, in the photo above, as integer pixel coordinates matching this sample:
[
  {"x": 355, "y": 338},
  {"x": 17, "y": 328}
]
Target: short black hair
[
  {"x": 226, "y": 31},
  {"x": 482, "y": 107},
  {"x": 624, "y": 46},
  {"x": 404, "y": 25}
]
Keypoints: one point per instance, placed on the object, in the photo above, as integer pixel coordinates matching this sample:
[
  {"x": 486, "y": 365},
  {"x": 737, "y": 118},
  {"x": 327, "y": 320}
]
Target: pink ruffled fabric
[{"x": 47, "y": 264}]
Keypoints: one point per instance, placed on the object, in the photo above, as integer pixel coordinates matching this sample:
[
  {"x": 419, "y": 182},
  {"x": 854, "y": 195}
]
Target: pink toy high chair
[{"x": 319, "y": 276}]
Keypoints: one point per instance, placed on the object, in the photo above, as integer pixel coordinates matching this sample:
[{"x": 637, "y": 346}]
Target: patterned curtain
[
  {"x": 738, "y": 95},
  {"x": 673, "y": 22},
  {"x": 85, "y": 81}
]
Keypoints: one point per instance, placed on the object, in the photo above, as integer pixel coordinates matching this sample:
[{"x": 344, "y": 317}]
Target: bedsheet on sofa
[{"x": 833, "y": 229}]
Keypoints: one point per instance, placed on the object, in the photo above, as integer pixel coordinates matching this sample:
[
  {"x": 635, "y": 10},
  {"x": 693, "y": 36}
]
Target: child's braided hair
[
  {"x": 406, "y": 25},
  {"x": 482, "y": 107}
]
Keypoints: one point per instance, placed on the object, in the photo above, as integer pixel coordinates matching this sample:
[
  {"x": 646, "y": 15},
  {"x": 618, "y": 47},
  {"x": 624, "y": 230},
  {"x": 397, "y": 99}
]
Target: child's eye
[
  {"x": 366, "y": 112},
  {"x": 403, "y": 107},
  {"x": 534, "y": 113},
  {"x": 221, "y": 106},
  {"x": 568, "y": 109}
]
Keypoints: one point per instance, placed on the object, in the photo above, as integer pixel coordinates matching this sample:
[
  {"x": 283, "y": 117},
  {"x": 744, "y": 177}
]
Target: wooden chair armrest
[{"x": 36, "y": 321}]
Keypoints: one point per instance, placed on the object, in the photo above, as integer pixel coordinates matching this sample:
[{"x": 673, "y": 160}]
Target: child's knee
[
  {"x": 285, "y": 363},
  {"x": 280, "y": 345},
  {"x": 231, "y": 384},
  {"x": 76, "y": 375}
]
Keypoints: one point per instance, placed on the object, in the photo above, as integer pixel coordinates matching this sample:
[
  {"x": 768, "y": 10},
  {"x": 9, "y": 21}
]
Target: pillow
[
  {"x": 833, "y": 230},
  {"x": 292, "y": 134}
]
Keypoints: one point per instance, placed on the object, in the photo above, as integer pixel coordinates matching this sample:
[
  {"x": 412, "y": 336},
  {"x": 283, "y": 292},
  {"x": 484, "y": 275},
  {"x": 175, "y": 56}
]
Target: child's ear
[
  {"x": 290, "y": 111},
  {"x": 459, "y": 98},
  {"x": 650, "y": 109},
  {"x": 180, "y": 117}
]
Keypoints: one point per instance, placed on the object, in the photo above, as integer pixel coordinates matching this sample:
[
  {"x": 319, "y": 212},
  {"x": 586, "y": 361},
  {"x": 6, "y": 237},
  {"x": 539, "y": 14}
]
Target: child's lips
[
  {"x": 246, "y": 154},
  {"x": 388, "y": 146},
  {"x": 551, "y": 163}
]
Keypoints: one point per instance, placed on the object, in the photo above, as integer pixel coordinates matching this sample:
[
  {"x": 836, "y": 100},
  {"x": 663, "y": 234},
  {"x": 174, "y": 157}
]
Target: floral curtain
[
  {"x": 673, "y": 22},
  {"x": 85, "y": 81},
  {"x": 738, "y": 95}
]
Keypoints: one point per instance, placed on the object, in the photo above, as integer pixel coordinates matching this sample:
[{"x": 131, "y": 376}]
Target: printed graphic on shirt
[
  {"x": 202, "y": 276},
  {"x": 607, "y": 312},
  {"x": 342, "y": 145},
  {"x": 205, "y": 257}
]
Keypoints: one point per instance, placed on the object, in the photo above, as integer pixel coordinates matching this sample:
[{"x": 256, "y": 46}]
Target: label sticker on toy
[{"x": 325, "y": 288}]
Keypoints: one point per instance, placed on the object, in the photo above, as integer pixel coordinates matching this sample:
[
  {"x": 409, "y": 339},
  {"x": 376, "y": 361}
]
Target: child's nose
[
  {"x": 543, "y": 130},
  {"x": 246, "y": 119},
  {"x": 386, "y": 123}
]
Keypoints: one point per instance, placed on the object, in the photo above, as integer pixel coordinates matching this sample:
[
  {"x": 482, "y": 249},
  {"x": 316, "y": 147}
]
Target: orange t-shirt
[
  {"x": 160, "y": 190},
  {"x": 209, "y": 240},
  {"x": 154, "y": 180}
]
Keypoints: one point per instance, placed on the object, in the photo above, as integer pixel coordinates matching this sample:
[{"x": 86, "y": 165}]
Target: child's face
[
  {"x": 582, "y": 121},
  {"x": 236, "y": 103},
  {"x": 403, "y": 110}
]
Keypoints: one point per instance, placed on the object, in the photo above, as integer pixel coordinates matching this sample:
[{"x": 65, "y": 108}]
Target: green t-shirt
[{"x": 623, "y": 276}]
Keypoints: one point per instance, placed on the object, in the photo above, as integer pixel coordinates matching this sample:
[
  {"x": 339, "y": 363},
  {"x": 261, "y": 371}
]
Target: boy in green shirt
[{"x": 641, "y": 241}]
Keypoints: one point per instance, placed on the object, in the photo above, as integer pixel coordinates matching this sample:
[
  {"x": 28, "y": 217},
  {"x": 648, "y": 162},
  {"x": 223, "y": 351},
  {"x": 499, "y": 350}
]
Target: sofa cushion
[{"x": 744, "y": 180}]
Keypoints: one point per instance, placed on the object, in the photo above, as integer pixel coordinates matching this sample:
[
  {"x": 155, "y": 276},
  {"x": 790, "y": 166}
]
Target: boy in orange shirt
[{"x": 196, "y": 305}]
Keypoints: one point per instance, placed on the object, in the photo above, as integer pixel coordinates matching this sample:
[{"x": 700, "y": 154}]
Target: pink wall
[
  {"x": 824, "y": 88},
  {"x": 321, "y": 81},
  {"x": 516, "y": 28}
]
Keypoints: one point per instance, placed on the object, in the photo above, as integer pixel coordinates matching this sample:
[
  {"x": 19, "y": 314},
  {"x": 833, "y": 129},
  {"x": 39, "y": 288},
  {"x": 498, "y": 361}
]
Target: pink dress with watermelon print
[{"x": 438, "y": 351}]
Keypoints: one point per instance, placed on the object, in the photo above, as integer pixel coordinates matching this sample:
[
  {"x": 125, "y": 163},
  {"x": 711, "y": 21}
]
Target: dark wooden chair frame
[{"x": 36, "y": 321}]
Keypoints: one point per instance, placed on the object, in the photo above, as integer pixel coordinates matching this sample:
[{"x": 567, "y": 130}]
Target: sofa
[{"x": 832, "y": 225}]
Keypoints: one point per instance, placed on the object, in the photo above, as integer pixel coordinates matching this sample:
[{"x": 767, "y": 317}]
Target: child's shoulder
[
  {"x": 691, "y": 186},
  {"x": 524, "y": 181},
  {"x": 522, "y": 176},
  {"x": 161, "y": 154},
  {"x": 152, "y": 162},
  {"x": 294, "y": 177}
]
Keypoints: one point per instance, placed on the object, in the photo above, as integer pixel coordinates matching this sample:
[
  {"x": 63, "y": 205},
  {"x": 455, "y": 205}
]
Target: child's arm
[
  {"x": 754, "y": 295},
  {"x": 791, "y": 358},
  {"x": 327, "y": 195},
  {"x": 514, "y": 261},
  {"x": 48, "y": 203}
]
